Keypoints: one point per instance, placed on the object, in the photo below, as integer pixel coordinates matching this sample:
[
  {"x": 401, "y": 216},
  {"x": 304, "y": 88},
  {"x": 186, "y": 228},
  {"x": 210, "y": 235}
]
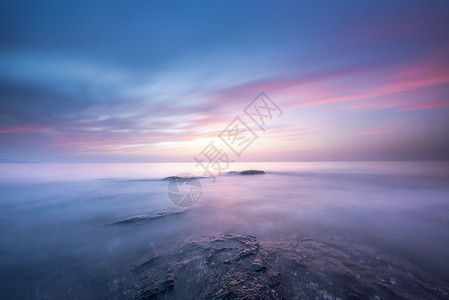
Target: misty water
[{"x": 61, "y": 232}]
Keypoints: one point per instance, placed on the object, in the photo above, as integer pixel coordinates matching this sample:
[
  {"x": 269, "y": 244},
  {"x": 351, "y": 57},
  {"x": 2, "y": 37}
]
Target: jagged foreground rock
[{"x": 235, "y": 266}]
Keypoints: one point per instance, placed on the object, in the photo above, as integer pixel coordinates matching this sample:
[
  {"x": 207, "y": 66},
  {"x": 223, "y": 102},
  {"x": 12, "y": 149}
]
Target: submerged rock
[
  {"x": 158, "y": 288},
  {"x": 146, "y": 218},
  {"x": 169, "y": 178},
  {"x": 229, "y": 266},
  {"x": 251, "y": 172},
  {"x": 238, "y": 266},
  {"x": 175, "y": 178}
]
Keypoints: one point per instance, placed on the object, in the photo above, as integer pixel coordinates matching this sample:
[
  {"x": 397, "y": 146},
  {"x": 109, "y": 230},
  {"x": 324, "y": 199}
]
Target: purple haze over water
[{"x": 55, "y": 218}]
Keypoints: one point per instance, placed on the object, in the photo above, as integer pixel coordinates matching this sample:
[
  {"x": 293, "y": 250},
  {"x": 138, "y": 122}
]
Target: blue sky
[{"x": 135, "y": 81}]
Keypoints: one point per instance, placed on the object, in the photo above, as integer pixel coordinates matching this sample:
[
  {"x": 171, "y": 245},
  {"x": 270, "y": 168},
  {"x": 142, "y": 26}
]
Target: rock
[
  {"x": 251, "y": 172},
  {"x": 156, "y": 289},
  {"x": 174, "y": 178},
  {"x": 238, "y": 266},
  {"x": 229, "y": 266},
  {"x": 140, "y": 219},
  {"x": 182, "y": 178}
]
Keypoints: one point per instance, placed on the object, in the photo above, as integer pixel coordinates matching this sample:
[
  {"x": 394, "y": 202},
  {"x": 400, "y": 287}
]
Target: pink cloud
[
  {"x": 428, "y": 105},
  {"x": 410, "y": 87},
  {"x": 374, "y": 132},
  {"x": 19, "y": 129}
]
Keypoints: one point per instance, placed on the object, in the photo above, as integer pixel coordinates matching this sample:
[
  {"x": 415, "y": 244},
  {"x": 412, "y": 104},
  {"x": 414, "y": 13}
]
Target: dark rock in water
[
  {"x": 241, "y": 272},
  {"x": 233, "y": 172},
  {"x": 226, "y": 267},
  {"x": 181, "y": 178},
  {"x": 146, "y": 218},
  {"x": 157, "y": 288},
  {"x": 251, "y": 172},
  {"x": 174, "y": 178},
  {"x": 237, "y": 266}
]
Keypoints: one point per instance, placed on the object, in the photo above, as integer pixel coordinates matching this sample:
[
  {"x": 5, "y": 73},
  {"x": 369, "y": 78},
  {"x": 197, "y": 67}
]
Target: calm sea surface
[{"x": 55, "y": 219}]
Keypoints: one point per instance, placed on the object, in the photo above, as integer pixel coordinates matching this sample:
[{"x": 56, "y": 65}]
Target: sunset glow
[{"x": 373, "y": 85}]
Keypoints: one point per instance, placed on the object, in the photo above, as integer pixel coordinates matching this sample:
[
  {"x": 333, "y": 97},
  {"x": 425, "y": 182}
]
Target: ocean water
[{"x": 64, "y": 227}]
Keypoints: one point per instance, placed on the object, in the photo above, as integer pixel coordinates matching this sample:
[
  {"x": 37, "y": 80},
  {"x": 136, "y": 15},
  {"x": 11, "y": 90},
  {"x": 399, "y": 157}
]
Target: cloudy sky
[{"x": 145, "y": 81}]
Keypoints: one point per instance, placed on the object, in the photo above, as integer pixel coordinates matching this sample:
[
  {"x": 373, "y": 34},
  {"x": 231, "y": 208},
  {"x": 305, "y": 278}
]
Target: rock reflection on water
[{"x": 347, "y": 230}]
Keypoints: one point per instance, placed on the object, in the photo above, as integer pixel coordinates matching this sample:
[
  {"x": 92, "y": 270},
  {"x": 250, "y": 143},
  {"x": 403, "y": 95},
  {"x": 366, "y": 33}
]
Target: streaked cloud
[{"x": 150, "y": 82}]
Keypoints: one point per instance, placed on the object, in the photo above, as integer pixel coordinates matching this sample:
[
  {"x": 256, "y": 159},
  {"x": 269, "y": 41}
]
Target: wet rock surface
[
  {"x": 251, "y": 172},
  {"x": 246, "y": 172},
  {"x": 237, "y": 266},
  {"x": 182, "y": 178},
  {"x": 140, "y": 219}
]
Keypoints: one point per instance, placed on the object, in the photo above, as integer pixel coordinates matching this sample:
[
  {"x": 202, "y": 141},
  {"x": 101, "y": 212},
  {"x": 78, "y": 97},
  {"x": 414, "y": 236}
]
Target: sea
[{"x": 65, "y": 228}]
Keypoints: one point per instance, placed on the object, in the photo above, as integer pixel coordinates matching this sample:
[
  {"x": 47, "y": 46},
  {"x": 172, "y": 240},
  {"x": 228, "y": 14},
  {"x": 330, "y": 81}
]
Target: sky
[{"x": 158, "y": 81}]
